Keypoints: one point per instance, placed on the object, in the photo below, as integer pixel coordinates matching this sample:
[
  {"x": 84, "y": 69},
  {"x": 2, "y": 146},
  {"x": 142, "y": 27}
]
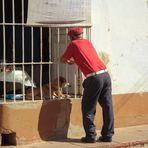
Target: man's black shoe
[
  {"x": 88, "y": 140},
  {"x": 105, "y": 139}
]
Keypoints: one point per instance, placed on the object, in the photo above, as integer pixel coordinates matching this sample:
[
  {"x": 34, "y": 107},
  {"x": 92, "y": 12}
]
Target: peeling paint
[{"x": 104, "y": 56}]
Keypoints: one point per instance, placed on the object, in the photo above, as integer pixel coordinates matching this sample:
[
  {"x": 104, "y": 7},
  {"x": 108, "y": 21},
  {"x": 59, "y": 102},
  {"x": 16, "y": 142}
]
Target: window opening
[{"x": 29, "y": 57}]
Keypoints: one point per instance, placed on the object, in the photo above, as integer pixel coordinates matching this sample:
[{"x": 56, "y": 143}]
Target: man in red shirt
[{"x": 97, "y": 85}]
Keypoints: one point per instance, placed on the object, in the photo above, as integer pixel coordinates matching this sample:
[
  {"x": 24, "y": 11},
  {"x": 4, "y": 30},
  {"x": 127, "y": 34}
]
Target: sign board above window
[{"x": 59, "y": 12}]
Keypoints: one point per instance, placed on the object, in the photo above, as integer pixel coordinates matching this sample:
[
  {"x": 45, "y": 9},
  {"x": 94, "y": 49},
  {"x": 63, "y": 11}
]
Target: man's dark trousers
[{"x": 97, "y": 89}]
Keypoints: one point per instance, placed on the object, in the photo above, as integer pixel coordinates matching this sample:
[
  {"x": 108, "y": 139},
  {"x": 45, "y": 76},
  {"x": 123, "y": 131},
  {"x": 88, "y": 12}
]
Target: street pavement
[{"x": 127, "y": 137}]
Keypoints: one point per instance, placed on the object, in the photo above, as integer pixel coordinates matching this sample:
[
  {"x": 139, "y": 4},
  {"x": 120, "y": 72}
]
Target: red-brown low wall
[{"x": 26, "y": 122}]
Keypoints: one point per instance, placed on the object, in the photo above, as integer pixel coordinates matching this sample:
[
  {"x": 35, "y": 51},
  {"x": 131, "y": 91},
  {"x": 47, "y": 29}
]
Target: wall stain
[
  {"x": 108, "y": 29},
  {"x": 147, "y": 2},
  {"x": 122, "y": 55}
]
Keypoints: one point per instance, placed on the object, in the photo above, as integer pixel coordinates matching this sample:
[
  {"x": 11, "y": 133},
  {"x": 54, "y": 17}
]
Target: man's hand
[
  {"x": 70, "y": 62},
  {"x": 65, "y": 61}
]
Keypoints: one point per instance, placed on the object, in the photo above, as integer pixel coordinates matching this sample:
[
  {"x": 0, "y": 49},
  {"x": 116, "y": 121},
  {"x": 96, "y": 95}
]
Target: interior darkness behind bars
[
  {"x": 8, "y": 40},
  {"x": 18, "y": 34}
]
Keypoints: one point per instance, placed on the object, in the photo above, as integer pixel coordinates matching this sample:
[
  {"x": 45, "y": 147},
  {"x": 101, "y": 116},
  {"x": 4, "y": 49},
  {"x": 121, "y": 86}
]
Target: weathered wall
[{"x": 119, "y": 28}]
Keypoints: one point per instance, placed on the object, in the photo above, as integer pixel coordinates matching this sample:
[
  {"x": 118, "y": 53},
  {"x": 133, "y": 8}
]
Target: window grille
[{"x": 29, "y": 56}]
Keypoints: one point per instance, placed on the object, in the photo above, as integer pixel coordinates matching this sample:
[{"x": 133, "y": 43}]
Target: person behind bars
[{"x": 97, "y": 85}]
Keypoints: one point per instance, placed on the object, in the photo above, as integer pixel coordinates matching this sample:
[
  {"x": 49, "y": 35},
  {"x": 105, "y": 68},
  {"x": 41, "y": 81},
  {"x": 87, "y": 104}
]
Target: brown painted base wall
[
  {"x": 26, "y": 122},
  {"x": 129, "y": 110},
  {"x": 33, "y": 121}
]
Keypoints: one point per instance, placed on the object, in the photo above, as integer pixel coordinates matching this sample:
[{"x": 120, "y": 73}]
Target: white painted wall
[{"x": 120, "y": 28}]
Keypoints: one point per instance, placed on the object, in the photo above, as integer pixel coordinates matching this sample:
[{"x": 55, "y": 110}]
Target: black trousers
[{"x": 97, "y": 89}]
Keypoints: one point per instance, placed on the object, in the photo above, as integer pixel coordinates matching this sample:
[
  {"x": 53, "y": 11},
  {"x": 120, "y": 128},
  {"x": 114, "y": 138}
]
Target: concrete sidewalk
[{"x": 135, "y": 136}]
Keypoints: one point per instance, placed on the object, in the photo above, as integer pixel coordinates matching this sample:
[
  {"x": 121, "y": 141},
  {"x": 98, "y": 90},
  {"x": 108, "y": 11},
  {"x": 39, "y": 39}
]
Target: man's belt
[{"x": 96, "y": 73}]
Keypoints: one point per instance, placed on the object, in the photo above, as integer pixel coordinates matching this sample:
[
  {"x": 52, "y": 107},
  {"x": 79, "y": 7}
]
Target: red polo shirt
[{"x": 84, "y": 55}]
